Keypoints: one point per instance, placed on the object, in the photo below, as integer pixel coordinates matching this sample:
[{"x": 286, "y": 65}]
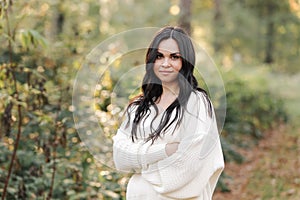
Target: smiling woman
[
  {"x": 168, "y": 62},
  {"x": 167, "y": 65},
  {"x": 170, "y": 137}
]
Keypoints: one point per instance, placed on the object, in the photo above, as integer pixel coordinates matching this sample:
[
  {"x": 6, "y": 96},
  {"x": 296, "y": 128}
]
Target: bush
[{"x": 250, "y": 111}]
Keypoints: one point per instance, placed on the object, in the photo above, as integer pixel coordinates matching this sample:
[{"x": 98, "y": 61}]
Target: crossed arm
[{"x": 138, "y": 155}]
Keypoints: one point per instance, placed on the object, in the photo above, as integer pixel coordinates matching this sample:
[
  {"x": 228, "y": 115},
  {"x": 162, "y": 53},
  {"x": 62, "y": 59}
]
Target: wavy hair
[{"x": 152, "y": 86}]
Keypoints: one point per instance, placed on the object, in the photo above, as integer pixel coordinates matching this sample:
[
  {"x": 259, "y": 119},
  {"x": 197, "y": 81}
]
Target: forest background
[{"x": 254, "y": 44}]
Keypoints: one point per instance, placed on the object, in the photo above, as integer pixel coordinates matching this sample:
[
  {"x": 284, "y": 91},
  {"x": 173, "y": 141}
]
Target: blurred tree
[
  {"x": 271, "y": 9},
  {"x": 217, "y": 23},
  {"x": 267, "y": 11},
  {"x": 58, "y": 19},
  {"x": 248, "y": 31},
  {"x": 185, "y": 15}
]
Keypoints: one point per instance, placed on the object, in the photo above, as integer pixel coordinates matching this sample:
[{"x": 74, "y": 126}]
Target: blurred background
[{"x": 255, "y": 45}]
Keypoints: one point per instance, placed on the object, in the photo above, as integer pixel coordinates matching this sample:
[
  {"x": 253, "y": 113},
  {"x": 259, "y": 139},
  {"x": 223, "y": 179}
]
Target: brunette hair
[{"x": 152, "y": 87}]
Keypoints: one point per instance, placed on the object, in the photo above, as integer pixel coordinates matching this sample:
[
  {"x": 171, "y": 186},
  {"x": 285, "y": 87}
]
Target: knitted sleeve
[
  {"x": 137, "y": 155},
  {"x": 134, "y": 156},
  {"x": 198, "y": 160}
]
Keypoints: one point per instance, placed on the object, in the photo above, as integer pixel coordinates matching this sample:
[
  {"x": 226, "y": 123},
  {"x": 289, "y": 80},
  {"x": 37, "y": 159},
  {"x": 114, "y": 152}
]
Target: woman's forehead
[{"x": 168, "y": 45}]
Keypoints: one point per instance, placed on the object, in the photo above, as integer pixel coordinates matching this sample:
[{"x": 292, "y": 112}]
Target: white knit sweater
[{"x": 191, "y": 172}]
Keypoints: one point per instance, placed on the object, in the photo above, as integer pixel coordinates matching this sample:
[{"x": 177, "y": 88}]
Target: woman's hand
[{"x": 171, "y": 148}]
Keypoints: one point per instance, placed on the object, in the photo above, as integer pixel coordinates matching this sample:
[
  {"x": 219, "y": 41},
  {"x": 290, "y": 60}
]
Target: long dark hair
[{"x": 152, "y": 87}]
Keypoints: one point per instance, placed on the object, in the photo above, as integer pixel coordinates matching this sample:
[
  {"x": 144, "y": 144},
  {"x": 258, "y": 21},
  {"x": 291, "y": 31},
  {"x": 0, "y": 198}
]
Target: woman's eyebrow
[
  {"x": 171, "y": 54},
  {"x": 174, "y": 54}
]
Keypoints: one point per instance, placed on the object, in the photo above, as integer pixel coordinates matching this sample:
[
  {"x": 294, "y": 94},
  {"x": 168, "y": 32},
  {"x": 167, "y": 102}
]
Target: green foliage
[
  {"x": 254, "y": 110},
  {"x": 42, "y": 44},
  {"x": 251, "y": 30},
  {"x": 250, "y": 112},
  {"x": 32, "y": 37}
]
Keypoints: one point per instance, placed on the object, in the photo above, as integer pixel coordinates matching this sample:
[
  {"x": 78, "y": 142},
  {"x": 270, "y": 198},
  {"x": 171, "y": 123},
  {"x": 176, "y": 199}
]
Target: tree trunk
[
  {"x": 56, "y": 24},
  {"x": 270, "y": 35},
  {"x": 217, "y": 25},
  {"x": 185, "y": 15},
  {"x": 270, "y": 43}
]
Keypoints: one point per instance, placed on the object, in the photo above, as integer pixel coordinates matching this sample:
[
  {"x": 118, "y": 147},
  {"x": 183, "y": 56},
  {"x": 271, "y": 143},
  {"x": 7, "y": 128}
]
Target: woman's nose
[{"x": 166, "y": 62}]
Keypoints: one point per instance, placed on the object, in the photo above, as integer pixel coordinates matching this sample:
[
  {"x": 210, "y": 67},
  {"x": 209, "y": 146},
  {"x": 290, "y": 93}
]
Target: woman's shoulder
[
  {"x": 199, "y": 96},
  {"x": 134, "y": 103},
  {"x": 199, "y": 103}
]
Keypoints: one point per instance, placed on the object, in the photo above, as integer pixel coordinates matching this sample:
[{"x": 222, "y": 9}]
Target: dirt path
[{"x": 271, "y": 170}]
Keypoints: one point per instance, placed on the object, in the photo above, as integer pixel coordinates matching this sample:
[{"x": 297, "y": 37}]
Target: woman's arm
[{"x": 136, "y": 155}]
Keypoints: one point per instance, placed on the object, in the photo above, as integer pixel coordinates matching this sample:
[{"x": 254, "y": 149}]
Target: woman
[{"x": 169, "y": 138}]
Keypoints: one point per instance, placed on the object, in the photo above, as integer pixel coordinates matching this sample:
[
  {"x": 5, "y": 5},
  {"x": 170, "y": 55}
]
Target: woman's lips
[{"x": 165, "y": 72}]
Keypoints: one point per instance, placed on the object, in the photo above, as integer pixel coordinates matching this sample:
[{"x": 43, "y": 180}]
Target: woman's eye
[
  {"x": 159, "y": 56},
  {"x": 175, "y": 57}
]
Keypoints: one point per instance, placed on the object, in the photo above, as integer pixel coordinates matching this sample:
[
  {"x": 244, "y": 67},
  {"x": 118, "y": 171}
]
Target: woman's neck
[
  {"x": 168, "y": 96},
  {"x": 171, "y": 89}
]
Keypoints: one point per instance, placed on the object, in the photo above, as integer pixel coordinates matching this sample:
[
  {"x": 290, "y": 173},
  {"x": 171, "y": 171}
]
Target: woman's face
[{"x": 168, "y": 61}]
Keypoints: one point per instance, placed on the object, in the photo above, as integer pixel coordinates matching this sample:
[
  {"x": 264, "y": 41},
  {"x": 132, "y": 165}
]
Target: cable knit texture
[{"x": 190, "y": 173}]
